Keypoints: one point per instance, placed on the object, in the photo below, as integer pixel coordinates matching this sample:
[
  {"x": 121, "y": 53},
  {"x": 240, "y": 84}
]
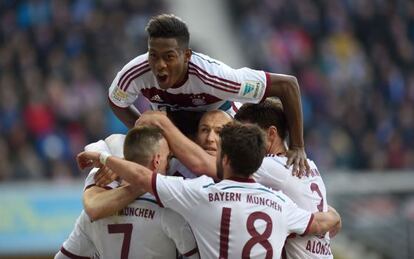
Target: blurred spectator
[
  {"x": 57, "y": 60},
  {"x": 355, "y": 63}
]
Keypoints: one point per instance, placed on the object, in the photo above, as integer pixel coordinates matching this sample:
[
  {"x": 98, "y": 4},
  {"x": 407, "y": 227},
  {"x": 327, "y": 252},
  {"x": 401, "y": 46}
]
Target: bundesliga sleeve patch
[
  {"x": 119, "y": 95},
  {"x": 251, "y": 89}
]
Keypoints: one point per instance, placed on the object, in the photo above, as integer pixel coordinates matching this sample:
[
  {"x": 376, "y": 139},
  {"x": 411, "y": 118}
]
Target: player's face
[
  {"x": 209, "y": 129},
  {"x": 164, "y": 158},
  {"x": 168, "y": 61}
]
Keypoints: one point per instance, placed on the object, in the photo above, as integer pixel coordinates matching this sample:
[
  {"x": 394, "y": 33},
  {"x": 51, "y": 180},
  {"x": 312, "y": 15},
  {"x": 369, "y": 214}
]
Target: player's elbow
[
  {"x": 93, "y": 213},
  {"x": 324, "y": 222}
]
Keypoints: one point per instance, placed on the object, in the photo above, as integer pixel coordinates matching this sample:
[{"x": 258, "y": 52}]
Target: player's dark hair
[
  {"x": 141, "y": 144},
  {"x": 244, "y": 145},
  {"x": 169, "y": 26},
  {"x": 265, "y": 114}
]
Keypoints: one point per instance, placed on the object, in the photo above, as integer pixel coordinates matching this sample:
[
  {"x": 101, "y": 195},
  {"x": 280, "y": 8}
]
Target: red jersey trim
[
  {"x": 92, "y": 185},
  {"x": 211, "y": 84},
  {"x": 240, "y": 179},
  {"x": 128, "y": 81},
  {"x": 268, "y": 86},
  {"x": 216, "y": 77},
  {"x": 154, "y": 189},
  {"x": 191, "y": 252},
  {"x": 214, "y": 80},
  {"x": 130, "y": 71},
  {"x": 70, "y": 255},
  {"x": 308, "y": 226},
  {"x": 117, "y": 104}
]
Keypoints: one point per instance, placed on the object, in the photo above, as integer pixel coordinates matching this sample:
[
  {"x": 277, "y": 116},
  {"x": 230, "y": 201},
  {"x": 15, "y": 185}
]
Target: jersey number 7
[
  {"x": 125, "y": 229},
  {"x": 256, "y": 237}
]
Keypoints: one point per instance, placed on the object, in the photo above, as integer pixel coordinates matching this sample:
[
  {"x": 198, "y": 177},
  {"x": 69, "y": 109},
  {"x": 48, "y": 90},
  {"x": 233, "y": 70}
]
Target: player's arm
[
  {"x": 286, "y": 88},
  {"x": 99, "y": 202},
  {"x": 325, "y": 221},
  {"x": 189, "y": 153},
  {"x": 136, "y": 175},
  {"x": 127, "y": 115}
]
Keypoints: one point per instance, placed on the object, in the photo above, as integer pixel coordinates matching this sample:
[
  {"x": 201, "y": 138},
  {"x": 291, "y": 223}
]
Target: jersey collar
[{"x": 240, "y": 179}]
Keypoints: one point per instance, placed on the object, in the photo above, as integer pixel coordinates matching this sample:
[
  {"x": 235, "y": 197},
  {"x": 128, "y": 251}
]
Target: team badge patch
[
  {"x": 119, "y": 95},
  {"x": 250, "y": 89}
]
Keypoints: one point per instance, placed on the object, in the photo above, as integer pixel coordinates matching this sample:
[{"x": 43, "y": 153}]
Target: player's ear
[
  {"x": 187, "y": 55},
  {"x": 271, "y": 133},
  {"x": 156, "y": 161}
]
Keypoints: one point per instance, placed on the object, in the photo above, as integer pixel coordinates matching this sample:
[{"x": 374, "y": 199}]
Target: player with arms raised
[{"x": 173, "y": 77}]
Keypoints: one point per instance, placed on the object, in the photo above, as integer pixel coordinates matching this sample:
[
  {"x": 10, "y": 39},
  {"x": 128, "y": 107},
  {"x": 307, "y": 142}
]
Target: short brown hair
[
  {"x": 169, "y": 26},
  {"x": 244, "y": 145},
  {"x": 141, "y": 143},
  {"x": 265, "y": 114}
]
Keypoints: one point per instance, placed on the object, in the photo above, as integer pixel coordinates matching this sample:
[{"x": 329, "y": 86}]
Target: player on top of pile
[{"x": 173, "y": 77}]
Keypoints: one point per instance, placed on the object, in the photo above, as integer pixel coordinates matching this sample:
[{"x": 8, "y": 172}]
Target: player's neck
[{"x": 277, "y": 149}]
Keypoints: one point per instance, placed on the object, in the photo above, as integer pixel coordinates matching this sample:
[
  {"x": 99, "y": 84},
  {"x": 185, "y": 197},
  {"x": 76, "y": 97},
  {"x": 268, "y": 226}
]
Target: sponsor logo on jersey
[
  {"x": 119, "y": 95},
  {"x": 156, "y": 98},
  {"x": 250, "y": 89}
]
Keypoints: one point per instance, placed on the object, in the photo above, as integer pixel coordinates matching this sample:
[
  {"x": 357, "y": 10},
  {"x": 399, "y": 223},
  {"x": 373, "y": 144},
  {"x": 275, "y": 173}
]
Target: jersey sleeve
[
  {"x": 238, "y": 85},
  {"x": 90, "y": 180},
  {"x": 177, "y": 193},
  {"x": 271, "y": 174},
  {"x": 298, "y": 220},
  {"x": 124, "y": 89},
  {"x": 177, "y": 229}
]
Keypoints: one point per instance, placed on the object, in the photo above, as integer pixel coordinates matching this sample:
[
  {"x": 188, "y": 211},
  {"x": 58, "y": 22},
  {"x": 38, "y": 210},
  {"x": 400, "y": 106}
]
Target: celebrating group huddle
[{"x": 231, "y": 189}]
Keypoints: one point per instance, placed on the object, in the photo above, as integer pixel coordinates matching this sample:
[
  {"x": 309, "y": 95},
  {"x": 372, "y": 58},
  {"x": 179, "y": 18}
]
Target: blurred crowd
[
  {"x": 354, "y": 60},
  {"x": 57, "y": 60}
]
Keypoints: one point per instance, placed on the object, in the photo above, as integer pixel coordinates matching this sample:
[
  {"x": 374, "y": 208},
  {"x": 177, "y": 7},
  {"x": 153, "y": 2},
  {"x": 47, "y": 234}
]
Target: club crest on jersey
[
  {"x": 250, "y": 89},
  {"x": 119, "y": 95},
  {"x": 198, "y": 100}
]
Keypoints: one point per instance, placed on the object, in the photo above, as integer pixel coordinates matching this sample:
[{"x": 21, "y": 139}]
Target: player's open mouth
[{"x": 162, "y": 78}]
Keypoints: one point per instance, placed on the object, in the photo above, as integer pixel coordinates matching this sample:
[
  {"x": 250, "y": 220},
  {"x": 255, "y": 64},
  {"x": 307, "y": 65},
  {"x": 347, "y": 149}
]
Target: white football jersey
[
  {"x": 308, "y": 193},
  {"x": 235, "y": 218},
  {"x": 79, "y": 243},
  {"x": 210, "y": 85},
  {"x": 142, "y": 230}
]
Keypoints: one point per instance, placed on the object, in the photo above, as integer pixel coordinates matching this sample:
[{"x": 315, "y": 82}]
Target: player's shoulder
[
  {"x": 138, "y": 60},
  {"x": 275, "y": 162},
  {"x": 202, "y": 61}
]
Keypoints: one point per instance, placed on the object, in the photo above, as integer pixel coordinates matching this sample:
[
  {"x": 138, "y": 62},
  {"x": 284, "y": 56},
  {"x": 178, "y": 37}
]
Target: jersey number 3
[
  {"x": 125, "y": 229},
  {"x": 256, "y": 237}
]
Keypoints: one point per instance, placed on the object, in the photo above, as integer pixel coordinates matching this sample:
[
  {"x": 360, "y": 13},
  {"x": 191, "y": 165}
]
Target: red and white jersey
[
  {"x": 176, "y": 168},
  {"x": 142, "y": 230},
  {"x": 210, "y": 85},
  {"x": 79, "y": 243},
  {"x": 235, "y": 218},
  {"x": 156, "y": 232},
  {"x": 308, "y": 193}
]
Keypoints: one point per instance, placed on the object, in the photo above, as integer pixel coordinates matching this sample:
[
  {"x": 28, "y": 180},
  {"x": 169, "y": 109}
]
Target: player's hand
[
  {"x": 335, "y": 230},
  {"x": 87, "y": 159},
  {"x": 297, "y": 158},
  {"x": 152, "y": 118},
  {"x": 104, "y": 176}
]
